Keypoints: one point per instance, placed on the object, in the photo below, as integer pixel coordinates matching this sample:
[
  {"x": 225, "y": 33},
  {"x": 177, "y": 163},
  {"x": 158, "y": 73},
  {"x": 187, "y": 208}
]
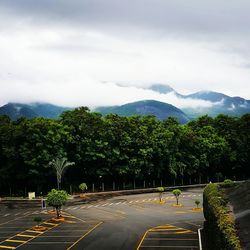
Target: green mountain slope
[
  {"x": 17, "y": 110},
  {"x": 148, "y": 107}
]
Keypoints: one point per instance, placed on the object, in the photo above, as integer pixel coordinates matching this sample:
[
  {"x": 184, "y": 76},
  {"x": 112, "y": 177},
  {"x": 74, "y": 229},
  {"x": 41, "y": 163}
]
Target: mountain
[
  {"x": 160, "y": 110},
  {"x": 17, "y": 110},
  {"x": 219, "y": 102},
  {"x": 162, "y": 89}
]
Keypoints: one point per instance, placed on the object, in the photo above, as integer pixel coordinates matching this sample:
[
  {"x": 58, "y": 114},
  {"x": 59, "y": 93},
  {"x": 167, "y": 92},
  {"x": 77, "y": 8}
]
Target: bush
[
  {"x": 176, "y": 193},
  {"x": 220, "y": 232},
  {"x": 37, "y": 219},
  {"x": 197, "y": 202},
  {"x": 160, "y": 190},
  {"x": 228, "y": 183},
  {"x": 57, "y": 198},
  {"x": 83, "y": 186}
]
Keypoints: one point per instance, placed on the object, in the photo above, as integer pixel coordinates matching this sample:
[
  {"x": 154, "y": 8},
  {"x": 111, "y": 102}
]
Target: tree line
[{"x": 121, "y": 149}]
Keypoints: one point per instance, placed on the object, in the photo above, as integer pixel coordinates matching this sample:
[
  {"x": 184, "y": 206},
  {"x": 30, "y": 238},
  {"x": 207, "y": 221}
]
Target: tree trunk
[{"x": 57, "y": 212}]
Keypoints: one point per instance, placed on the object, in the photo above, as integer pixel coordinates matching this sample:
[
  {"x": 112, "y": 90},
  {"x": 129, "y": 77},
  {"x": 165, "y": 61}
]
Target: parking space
[
  {"x": 169, "y": 237},
  {"x": 124, "y": 222}
]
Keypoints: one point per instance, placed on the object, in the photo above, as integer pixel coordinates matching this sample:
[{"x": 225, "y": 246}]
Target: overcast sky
[{"x": 105, "y": 52}]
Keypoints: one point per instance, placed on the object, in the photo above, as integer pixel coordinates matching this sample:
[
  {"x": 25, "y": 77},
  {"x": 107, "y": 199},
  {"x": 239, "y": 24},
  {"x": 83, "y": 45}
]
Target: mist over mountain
[
  {"x": 220, "y": 103},
  {"x": 206, "y": 102}
]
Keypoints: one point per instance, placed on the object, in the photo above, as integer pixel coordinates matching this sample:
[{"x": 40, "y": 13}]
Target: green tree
[
  {"x": 177, "y": 193},
  {"x": 197, "y": 202},
  {"x": 83, "y": 186},
  {"x": 60, "y": 165},
  {"x": 56, "y": 199},
  {"x": 160, "y": 190}
]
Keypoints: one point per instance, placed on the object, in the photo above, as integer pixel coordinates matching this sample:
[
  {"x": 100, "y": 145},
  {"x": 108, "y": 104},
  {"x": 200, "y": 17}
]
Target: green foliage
[
  {"x": 160, "y": 189},
  {"x": 37, "y": 219},
  {"x": 228, "y": 183},
  {"x": 176, "y": 193},
  {"x": 121, "y": 148},
  {"x": 83, "y": 186},
  {"x": 220, "y": 226},
  {"x": 60, "y": 164},
  {"x": 56, "y": 199}
]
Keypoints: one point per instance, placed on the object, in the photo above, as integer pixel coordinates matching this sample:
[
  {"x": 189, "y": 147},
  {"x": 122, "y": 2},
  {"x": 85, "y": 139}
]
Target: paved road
[{"x": 123, "y": 222}]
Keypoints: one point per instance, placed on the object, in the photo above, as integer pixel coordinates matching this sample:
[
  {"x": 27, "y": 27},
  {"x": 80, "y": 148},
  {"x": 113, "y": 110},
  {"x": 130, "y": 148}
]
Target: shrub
[
  {"x": 197, "y": 202},
  {"x": 160, "y": 190},
  {"x": 228, "y": 183},
  {"x": 176, "y": 193},
  {"x": 37, "y": 219},
  {"x": 219, "y": 226},
  {"x": 57, "y": 198},
  {"x": 83, "y": 186}
]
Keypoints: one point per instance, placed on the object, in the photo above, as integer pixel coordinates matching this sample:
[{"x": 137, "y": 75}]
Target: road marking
[
  {"x": 166, "y": 234},
  {"x": 32, "y": 231},
  {"x": 18, "y": 241},
  {"x": 7, "y": 247},
  {"x": 26, "y": 235},
  {"x": 49, "y": 223},
  {"x": 142, "y": 239},
  {"x": 85, "y": 235}
]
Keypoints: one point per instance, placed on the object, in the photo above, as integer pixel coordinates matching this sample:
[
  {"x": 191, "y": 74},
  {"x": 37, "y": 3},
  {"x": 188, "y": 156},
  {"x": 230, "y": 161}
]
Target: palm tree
[{"x": 60, "y": 164}]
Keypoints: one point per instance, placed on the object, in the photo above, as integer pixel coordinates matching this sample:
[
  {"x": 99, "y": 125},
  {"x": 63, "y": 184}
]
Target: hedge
[{"x": 219, "y": 227}]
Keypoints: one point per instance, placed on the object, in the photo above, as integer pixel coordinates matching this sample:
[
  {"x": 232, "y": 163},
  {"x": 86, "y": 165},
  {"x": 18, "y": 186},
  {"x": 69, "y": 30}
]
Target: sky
[{"x": 107, "y": 52}]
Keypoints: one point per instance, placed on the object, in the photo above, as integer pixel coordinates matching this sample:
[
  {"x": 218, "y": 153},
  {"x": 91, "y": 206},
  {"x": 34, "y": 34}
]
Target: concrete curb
[{"x": 200, "y": 242}]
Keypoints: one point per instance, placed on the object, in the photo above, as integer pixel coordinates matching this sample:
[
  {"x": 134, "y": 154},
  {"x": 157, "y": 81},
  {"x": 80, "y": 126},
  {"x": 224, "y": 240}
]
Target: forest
[{"x": 127, "y": 151}]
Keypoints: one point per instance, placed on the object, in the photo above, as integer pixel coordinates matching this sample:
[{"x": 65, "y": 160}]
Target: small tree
[
  {"x": 197, "y": 202},
  {"x": 160, "y": 190},
  {"x": 176, "y": 193},
  {"x": 57, "y": 198},
  {"x": 60, "y": 164},
  {"x": 83, "y": 186}
]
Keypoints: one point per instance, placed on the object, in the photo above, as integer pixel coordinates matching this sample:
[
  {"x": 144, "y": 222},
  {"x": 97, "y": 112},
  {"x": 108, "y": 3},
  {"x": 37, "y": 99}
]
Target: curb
[{"x": 199, "y": 234}]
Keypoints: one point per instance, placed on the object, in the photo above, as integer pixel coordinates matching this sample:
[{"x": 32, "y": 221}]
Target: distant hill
[
  {"x": 17, "y": 110},
  {"x": 160, "y": 110},
  {"x": 220, "y": 103}
]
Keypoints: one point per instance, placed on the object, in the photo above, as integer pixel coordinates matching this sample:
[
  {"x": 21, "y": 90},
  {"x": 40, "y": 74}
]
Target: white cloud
[{"x": 67, "y": 63}]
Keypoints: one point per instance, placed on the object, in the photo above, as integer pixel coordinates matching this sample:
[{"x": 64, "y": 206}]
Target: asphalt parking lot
[{"x": 123, "y": 222}]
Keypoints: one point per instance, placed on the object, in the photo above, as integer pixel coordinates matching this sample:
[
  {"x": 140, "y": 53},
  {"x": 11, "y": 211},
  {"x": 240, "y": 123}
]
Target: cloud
[{"x": 63, "y": 51}]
